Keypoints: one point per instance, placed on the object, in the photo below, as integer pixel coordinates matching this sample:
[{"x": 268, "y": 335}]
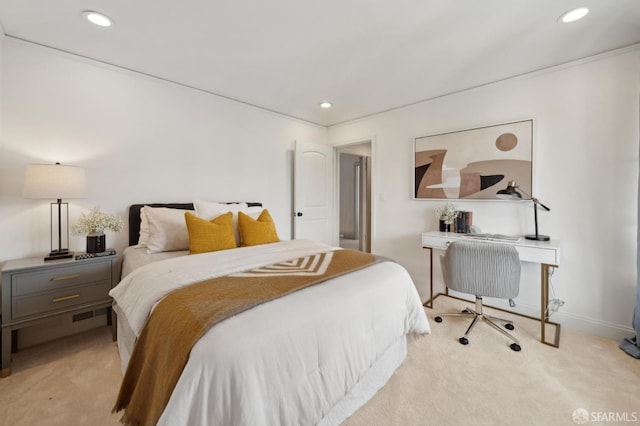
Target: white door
[{"x": 313, "y": 178}]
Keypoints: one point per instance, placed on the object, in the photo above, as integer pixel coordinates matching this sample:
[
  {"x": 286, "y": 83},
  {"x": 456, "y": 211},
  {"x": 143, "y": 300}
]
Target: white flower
[
  {"x": 446, "y": 213},
  {"x": 97, "y": 221}
]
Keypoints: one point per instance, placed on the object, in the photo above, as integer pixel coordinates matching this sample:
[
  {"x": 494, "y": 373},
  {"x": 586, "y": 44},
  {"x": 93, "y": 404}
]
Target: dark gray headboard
[{"x": 134, "y": 216}]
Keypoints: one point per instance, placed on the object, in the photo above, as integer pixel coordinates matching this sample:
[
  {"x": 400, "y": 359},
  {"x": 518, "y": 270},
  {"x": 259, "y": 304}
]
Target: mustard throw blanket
[{"x": 183, "y": 316}]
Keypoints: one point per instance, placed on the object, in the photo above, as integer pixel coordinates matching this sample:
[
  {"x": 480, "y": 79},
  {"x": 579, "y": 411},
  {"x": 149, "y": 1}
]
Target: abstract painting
[{"x": 474, "y": 163}]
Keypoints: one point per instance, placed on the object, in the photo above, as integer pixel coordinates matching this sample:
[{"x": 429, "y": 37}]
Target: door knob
[{"x": 299, "y": 214}]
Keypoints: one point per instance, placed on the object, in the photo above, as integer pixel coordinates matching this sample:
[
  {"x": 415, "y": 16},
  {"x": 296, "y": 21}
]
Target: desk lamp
[
  {"x": 54, "y": 181},
  {"x": 511, "y": 193}
]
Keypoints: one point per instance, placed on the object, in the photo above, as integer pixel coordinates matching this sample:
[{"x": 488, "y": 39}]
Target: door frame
[{"x": 373, "y": 167}]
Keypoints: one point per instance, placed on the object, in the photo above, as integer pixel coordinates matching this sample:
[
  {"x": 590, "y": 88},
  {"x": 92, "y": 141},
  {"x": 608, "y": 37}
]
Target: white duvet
[{"x": 291, "y": 361}]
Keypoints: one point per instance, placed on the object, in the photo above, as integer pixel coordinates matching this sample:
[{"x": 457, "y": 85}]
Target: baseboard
[
  {"x": 588, "y": 325},
  {"x": 583, "y": 324},
  {"x": 567, "y": 320}
]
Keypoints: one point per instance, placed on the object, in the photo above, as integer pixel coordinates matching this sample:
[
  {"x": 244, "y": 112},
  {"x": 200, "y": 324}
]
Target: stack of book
[{"x": 463, "y": 222}]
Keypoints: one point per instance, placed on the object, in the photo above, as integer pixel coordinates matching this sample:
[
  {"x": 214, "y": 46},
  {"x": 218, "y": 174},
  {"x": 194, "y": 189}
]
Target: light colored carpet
[{"x": 74, "y": 381}]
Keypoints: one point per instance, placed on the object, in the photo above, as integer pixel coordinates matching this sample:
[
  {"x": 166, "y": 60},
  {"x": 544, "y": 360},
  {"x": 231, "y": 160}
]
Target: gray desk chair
[{"x": 482, "y": 269}]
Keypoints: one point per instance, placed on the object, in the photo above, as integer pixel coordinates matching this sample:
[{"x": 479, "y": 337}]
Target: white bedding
[
  {"x": 291, "y": 361},
  {"x": 134, "y": 257}
]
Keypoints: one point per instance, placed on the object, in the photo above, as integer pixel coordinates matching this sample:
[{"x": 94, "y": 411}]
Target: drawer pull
[
  {"x": 65, "y": 277},
  {"x": 62, "y": 299}
]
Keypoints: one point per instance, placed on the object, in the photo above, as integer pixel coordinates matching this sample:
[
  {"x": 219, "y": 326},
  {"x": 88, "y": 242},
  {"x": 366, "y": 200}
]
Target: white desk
[{"x": 546, "y": 253}]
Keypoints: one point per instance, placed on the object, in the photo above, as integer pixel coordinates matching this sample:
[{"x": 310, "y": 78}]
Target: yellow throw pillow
[
  {"x": 254, "y": 232},
  {"x": 205, "y": 236}
]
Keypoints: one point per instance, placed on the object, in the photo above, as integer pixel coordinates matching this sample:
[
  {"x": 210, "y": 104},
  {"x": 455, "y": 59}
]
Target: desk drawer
[
  {"x": 51, "y": 301},
  {"x": 437, "y": 241},
  {"x": 529, "y": 251},
  {"x": 538, "y": 255},
  {"x": 58, "y": 278}
]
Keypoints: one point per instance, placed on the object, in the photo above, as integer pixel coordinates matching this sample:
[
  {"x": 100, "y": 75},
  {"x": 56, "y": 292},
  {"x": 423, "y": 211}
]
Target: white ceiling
[{"x": 365, "y": 56}]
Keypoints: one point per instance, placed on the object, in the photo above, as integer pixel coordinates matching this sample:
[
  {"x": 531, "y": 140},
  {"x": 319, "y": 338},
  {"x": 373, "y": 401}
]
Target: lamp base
[
  {"x": 59, "y": 254},
  {"x": 537, "y": 237}
]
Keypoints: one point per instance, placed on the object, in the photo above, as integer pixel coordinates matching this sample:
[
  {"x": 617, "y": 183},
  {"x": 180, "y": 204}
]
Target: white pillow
[
  {"x": 254, "y": 211},
  {"x": 143, "y": 239},
  {"x": 210, "y": 210},
  {"x": 167, "y": 229}
]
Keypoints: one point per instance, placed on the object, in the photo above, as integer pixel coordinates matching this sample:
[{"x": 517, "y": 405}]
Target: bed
[{"x": 311, "y": 357}]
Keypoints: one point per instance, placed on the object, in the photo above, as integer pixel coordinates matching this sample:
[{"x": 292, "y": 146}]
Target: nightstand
[{"x": 35, "y": 291}]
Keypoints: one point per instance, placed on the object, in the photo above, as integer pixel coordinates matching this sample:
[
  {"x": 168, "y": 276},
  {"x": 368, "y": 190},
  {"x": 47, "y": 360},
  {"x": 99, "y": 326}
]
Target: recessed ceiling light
[
  {"x": 97, "y": 18},
  {"x": 573, "y": 15},
  {"x": 325, "y": 105}
]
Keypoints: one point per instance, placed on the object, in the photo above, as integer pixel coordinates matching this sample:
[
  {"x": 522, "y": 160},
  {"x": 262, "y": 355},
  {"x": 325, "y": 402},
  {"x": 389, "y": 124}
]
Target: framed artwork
[{"x": 474, "y": 163}]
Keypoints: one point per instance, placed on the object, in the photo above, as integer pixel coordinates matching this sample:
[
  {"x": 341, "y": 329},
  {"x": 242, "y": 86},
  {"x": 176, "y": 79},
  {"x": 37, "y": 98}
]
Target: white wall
[
  {"x": 145, "y": 140},
  {"x": 140, "y": 140},
  {"x": 585, "y": 169}
]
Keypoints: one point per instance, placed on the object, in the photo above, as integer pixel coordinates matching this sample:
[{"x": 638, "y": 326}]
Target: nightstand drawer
[
  {"x": 58, "y": 278},
  {"x": 51, "y": 301}
]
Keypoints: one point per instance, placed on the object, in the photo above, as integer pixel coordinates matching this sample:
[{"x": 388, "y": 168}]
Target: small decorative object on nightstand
[
  {"x": 94, "y": 224},
  {"x": 34, "y": 291}
]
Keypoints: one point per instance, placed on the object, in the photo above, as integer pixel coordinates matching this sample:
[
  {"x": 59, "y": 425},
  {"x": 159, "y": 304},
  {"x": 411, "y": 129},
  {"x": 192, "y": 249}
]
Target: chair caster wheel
[
  {"x": 465, "y": 311},
  {"x": 515, "y": 347},
  {"x": 465, "y": 341},
  {"x": 438, "y": 319},
  {"x": 509, "y": 326}
]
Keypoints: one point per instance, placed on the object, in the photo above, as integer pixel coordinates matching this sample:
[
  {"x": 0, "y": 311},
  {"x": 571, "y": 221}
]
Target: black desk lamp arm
[{"x": 536, "y": 201}]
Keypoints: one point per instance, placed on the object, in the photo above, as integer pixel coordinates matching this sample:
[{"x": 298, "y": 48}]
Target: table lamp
[
  {"x": 54, "y": 181},
  {"x": 511, "y": 193}
]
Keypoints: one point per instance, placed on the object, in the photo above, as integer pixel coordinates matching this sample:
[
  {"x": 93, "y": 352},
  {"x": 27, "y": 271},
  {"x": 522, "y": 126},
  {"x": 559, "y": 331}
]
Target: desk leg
[
  {"x": 544, "y": 306},
  {"x": 429, "y": 303}
]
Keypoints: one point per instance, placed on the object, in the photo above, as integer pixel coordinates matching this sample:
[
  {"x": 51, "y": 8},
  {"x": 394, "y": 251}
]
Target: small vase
[
  {"x": 96, "y": 242},
  {"x": 445, "y": 227}
]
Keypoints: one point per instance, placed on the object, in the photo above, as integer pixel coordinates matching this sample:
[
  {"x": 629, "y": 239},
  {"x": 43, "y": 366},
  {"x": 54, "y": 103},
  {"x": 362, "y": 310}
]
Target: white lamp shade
[{"x": 54, "y": 181}]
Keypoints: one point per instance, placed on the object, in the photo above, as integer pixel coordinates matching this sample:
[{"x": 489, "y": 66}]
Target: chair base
[{"x": 478, "y": 316}]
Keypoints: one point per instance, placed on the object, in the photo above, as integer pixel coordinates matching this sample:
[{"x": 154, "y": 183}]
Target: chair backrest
[{"x": 482, "y": 268}]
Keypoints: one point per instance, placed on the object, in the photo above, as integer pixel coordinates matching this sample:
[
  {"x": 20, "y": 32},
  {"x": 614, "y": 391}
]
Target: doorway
[{"x": 354, "y": 181}]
